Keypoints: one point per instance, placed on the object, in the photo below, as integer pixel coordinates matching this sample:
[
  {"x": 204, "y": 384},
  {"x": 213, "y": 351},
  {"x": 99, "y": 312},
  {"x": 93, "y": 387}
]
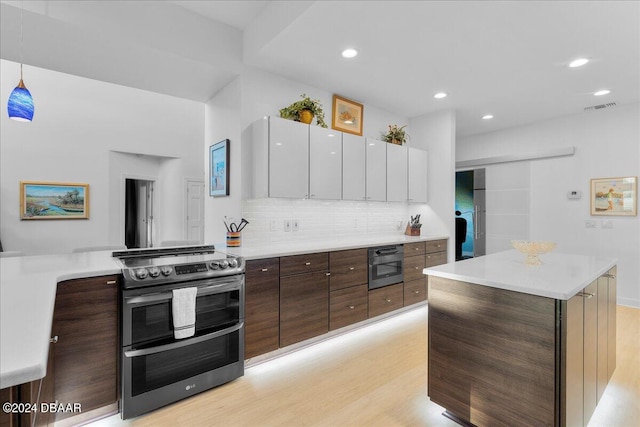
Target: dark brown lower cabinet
[
  {"x": 262, "y": 306},
  {"x": 304, "y": 306},
  {"x": 348, "y": 306},
  {"x": 385, "y": 300},
  {"x": 415, "y": 291},
  {"x": 86, "y": 324}
]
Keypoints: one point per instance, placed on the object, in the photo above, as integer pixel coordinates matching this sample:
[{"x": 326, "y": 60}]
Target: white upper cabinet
[
  {"x": 288, "y": 158},
  {"x": 417, "y": 176},
  {"x": 353, "y": 167},
  {"x": 396, "y": 173},
  {"x": 325, "y": 163},
  {"x": 376, "y": 170}
]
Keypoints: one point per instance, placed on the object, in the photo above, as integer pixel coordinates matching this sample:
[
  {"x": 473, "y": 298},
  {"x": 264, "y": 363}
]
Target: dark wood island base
[{"x": 503, "y": 358}]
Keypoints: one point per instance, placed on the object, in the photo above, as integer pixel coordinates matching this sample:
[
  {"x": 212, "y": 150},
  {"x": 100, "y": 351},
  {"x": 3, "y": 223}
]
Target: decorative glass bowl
[{"x": 533, "y": 249}]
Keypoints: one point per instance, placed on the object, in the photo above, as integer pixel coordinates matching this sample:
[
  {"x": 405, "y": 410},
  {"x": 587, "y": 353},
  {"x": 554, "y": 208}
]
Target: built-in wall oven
[
  {"x": 385, "y": 265},
  {"x": 157, "y": 368}
]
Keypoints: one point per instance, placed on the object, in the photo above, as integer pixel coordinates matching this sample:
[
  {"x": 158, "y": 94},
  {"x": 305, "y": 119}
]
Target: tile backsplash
[{"x": 320, "y": 219}]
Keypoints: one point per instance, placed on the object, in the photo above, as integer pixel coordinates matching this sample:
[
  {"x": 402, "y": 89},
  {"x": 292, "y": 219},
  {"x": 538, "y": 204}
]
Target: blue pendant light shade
[{"x": 20, "y": 105}]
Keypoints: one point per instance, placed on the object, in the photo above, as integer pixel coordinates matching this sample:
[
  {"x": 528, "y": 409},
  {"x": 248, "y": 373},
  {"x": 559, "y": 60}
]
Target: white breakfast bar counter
[{"x": 28, "y": 289}]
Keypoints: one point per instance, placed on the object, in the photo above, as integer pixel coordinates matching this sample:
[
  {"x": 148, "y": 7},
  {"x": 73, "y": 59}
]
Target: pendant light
[{"x": 20, "y": 105}]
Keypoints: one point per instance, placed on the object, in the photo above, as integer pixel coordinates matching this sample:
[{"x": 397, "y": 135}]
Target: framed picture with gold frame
[
  {"x": 53, "y": 200},
  {"x": 347, "y": 115},
  {"x": 614, "y": 196}
]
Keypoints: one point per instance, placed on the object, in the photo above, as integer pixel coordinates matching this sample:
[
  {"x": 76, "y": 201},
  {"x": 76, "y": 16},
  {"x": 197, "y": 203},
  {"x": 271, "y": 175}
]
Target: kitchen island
[{"x": 511, "y": 344}]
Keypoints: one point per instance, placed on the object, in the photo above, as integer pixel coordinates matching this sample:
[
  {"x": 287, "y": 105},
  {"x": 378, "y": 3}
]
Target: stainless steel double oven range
[{"x": 156, "y": 368}]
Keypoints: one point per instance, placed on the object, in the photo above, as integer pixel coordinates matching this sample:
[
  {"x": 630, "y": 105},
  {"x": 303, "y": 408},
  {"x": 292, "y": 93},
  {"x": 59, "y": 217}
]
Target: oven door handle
[
  {"x": 161, "y": 296},
  {"x": 182, "y": 343}
]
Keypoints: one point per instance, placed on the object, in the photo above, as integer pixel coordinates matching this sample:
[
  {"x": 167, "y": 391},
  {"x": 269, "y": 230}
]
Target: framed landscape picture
[
  {"x": 219, "y": 169},
  {"x": 53, "y": 200},
  {"x": 347, "y": 115},
  {"x": 614, "y": 196}
]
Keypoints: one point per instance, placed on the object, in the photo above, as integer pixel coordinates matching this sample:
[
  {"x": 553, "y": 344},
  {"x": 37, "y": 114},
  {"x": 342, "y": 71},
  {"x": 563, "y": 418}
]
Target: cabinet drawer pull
[
  {"x": 416, "y": 249},
  {"x": 586, "y": 295},
  {"x": 416, "y": 292},
  {"x": 264, "y": 270},
  {"x": 609, "y": 276},
  {"x": 387, "y": 300},
  {"x": 53, "y": 340},
  {"x": 307, "y": 263},
  {"x": 417, "y": 268},
  {"x": 428, "y": 256},
  {"x": 328, "y": 274},
  {"x": 351, "y": 268},
  {"x": 111, "y": 282},
  {"x": 351, "y": 307}
]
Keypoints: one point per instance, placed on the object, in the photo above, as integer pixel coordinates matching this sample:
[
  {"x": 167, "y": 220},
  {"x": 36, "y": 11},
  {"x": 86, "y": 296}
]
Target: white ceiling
[{"x": 507, "y": 58}]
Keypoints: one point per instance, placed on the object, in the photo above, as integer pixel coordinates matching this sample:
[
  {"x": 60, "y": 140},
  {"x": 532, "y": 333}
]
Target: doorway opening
[
  {"x": 470, "y": 214},
  {"x": 138, "y": 217}
]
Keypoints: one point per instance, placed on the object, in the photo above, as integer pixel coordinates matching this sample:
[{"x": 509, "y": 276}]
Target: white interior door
[{"x": 195, "y": 210}]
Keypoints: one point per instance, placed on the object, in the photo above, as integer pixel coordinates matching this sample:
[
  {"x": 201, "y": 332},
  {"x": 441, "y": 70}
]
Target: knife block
[{"x": 411, "y": 231}]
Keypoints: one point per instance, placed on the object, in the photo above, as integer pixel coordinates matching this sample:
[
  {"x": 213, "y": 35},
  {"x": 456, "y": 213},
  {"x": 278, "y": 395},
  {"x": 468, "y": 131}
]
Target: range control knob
[
  {"x": 166, "y": 270},
  {"x": 141, "y": 273},
  {"x": 214, "y": 265},
  {"x": 154, "y": 271},
  {"x": 233, "y": 263},
  {"x": 224, "y": 264}
]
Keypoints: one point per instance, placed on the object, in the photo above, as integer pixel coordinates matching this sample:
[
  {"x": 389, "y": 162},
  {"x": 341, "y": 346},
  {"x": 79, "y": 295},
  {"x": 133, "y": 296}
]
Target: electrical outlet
[
  {"x": 274, "y": 225},
  {"x": 287, "y": 225},
  {"x": 399, "y": 225},
  {"x": 590, "y": 224},
  {"x": 295, "y": 225}
]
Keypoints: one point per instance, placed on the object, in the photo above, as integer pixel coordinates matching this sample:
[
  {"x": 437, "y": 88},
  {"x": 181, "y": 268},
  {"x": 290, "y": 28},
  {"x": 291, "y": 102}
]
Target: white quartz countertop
[
  {"x": 27, "y": 297},
  {"x": 560, "y": 276},
  {"x": 28, "y": 290},
  {"x": 267, "y": 249}
]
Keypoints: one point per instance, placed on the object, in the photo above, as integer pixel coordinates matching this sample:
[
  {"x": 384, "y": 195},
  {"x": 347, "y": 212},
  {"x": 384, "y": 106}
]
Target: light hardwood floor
[{"x": 375, "y": 376}]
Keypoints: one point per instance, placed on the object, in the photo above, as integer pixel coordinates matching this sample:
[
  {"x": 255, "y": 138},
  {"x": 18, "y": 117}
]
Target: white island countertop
[
  {"x": 560, "y": 276},
  {"x": 28, "y": 290}
]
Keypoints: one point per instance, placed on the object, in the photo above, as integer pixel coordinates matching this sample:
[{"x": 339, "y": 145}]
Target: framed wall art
[
  {"x": 219, "y": 169},
  {"x": 347, "y": 115},
  {"x": 614, "y": 196},
  {"x": 53, "y": 200}
]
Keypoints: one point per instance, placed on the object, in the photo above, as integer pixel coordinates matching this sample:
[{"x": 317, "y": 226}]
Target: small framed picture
[
  {"x": 53, "y": 200},
  {"x": 614, "y": 196},
  {"x": 347, "y": 115},
  {"x": 219, "y": 169}
]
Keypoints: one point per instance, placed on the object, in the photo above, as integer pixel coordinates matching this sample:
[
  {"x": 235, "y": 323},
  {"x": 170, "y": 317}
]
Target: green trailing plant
[
  {"x": 396, "y": 135},
  {"x": 292, "y": 112}
]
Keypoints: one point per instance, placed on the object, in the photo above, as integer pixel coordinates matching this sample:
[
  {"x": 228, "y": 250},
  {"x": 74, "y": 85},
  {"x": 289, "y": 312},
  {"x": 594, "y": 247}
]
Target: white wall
[
  {"x": 77, "y": 126},
  {"x": 606, "y": 144},
  {"x": 263, "y": 94}
]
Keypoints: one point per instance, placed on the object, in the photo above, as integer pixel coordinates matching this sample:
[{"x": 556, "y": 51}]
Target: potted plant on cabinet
[
  {"x": 304, "y": 111},
  {"x": 396, "y": 135}
]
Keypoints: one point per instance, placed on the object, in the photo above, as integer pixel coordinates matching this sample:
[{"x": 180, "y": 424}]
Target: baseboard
[{"x": 629, "y": 302}]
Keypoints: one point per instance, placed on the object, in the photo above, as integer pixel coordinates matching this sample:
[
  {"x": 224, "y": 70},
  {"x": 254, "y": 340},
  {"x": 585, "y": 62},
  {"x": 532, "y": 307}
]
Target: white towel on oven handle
[{"x": 183, "y": 306}]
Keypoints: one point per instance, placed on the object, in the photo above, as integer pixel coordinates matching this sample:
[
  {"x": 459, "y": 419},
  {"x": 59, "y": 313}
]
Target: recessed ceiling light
[
  {"x": 487, "y": 117},
  {"x": 602, "y": 92},
  {"x": 578, "y": 62},
  {"x": 349, "y": 53},
  {"x": 440, "y": 95}
]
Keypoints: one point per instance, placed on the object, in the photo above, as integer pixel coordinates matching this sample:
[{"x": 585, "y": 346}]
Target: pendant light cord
[{"x": 21, "y": 34}]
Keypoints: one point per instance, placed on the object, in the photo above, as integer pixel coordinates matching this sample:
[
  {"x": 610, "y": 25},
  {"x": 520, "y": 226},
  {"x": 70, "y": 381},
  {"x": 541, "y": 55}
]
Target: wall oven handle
[
  {"x": 161, "y": 296},
  {"x": 182, "y": 343}
]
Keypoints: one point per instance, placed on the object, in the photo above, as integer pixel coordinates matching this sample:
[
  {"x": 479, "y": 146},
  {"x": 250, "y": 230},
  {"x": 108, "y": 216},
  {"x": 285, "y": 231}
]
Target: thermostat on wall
[{"x": 574, "y": 195}]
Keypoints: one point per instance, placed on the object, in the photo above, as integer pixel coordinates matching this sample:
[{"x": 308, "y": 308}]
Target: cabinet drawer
[
  {"x": 415, "y": 291},
  {"x": 413, "y": 267},
  {"x": 304, "y": 307},
  {"x": 348, "y": 268},
  {"x": 436, "y": 258},
  {"x": 384, "y": 300},
  {"x": 436, "y": 246},
  {"x": 417, "y": 248},
  {"x": 261, "y": 269},
  {"x": 348, "y": 306},
  {"x": 298, "y": 264}
]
